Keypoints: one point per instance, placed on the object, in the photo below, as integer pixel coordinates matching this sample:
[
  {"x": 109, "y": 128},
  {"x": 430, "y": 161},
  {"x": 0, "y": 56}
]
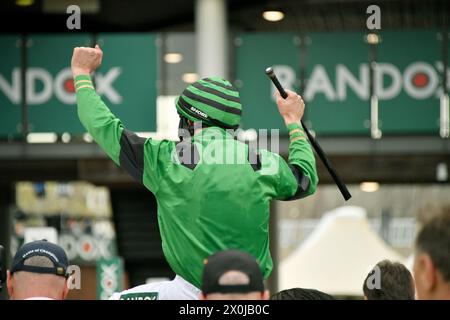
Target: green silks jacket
[{"x": 204, "y": 206}]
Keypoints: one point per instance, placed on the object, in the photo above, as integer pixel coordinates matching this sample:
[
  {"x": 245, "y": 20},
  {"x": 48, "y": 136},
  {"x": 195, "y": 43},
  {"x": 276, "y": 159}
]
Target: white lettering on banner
[
  {"x": 42, "y": 75},
  {"x": 108, "y": 280},
  {"x": 386, "y": 69},
  {"x": 412, "y": 80},
  {"x": 286, "y": 76},
  {"x": 319, "y": 83},
  {"x": 419, "y": 80},
  {"x": 345, "y": 78},
  {"x": 86, "y": 247},
  {"x": 104, "y": 85},
  {"x": 61, "y": 92},
  {"x": 12, "y": 92},
  {"x": 110, "y": 270},
  {"x": 61, "y": 86},
  {"x": 440, "y": 68}
]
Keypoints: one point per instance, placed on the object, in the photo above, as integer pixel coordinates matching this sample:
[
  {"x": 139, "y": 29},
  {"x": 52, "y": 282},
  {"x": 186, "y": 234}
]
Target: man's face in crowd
[{"x": 429, "y": 281}]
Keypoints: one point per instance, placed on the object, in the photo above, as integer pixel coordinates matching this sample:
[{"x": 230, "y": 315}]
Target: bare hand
[
  {"x": 291, "y": 108},
  {"x": 86, "y": 60}
]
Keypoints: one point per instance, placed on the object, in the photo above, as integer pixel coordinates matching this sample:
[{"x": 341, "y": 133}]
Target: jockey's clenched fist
[{"x": 86, "y": 60}]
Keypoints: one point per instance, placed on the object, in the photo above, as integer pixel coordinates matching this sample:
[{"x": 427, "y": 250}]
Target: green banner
[
  {"x": 337, "y": 83},
  {"x": 51, "y": 95},
  {"x": 126, "y": 81},
  {"x": 410, "y": 101},
  {"x": 407, "y": 80},
  {"x": 254, "y": 53},
  {"x": 130, "y": 64},
  {"x": 109, "y": 277},
  {"x": 10, "y": 110}
]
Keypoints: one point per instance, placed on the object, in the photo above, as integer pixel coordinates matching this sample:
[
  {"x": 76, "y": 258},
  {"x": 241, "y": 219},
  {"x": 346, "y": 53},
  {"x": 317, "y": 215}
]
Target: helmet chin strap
[
  {"x": 184, "y": 126},
  {"x": 189, "y": 126}
]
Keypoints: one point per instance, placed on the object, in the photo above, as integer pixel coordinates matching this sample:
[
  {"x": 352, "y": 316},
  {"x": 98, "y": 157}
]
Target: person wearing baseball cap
[
  {"x": 38, "y": 272},
  {"x": 232, "y": 275}
]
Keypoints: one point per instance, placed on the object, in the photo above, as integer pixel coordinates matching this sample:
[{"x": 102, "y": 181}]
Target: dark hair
[
  {"x": 434, "y": 239},
  {"x": 395, "y": 282},
  {"x": 301, "y": 294}
]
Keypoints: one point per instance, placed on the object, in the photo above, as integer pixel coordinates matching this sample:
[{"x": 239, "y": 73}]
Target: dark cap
[
  {"x": 41, "y": 248},
  {"x": 232, "y": 271}
]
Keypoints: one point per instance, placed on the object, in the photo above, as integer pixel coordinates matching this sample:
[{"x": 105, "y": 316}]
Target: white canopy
[{"x": 337, "y": 256}]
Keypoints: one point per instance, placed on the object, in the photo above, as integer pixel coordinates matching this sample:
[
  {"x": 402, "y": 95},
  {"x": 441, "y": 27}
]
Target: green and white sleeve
[{"x": 133, "y": 153}]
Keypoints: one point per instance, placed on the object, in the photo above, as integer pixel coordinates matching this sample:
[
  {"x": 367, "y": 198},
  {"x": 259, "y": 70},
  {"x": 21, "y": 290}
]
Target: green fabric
[
  {"x": 227, "y": 118},
  {"x": 215, "y": 206},
  {"x": 294, "y": 125},
  {"x": 214, "y": 97},
  {"x": 206, "y": 94},
  {"x": 300, "y": 154},
  {"x": 98, "y": 120}
]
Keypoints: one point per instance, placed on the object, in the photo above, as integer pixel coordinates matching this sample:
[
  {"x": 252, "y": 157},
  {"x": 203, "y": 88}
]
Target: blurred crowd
[{"x": 39, "y": 272}]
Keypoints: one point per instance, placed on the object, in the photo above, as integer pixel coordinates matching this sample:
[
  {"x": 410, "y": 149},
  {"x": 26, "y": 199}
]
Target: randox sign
[
  {"x": 126, "y": 83},
  {"x": 407, "y": 80},
  {"x": 419, "y": 80},
  {"x": 60, "y": 87},
  {"x": 109, "y": 274}
]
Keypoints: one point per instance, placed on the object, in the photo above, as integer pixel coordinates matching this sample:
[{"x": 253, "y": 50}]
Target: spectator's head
[
  {"x": 232, "y": 275},
  {"x": 38, "y": 271},
  {"x": 301, "y": 294},
  {"x": 389, "y": 281},
  {"x": 432, "y": 258}
]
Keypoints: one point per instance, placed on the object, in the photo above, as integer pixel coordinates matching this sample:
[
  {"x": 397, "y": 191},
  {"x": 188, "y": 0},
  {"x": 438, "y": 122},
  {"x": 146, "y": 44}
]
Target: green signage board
[
  {"x": 10, "y": 111},
  {"x": 337, "y": 102},
  {"x": 109, "y": 274},
  {"x": 409, "y": 101},
  {"x": 130, "y": 63},
  {"x": 51, "y": 97},
  {"x": 254, "y": 53},
  {"x": 126, "y": 81},
  {"x": 407, "y": 80}
]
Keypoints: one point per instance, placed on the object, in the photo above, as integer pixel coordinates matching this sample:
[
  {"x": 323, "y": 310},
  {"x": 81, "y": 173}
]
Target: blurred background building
[{"x": 377, "y": 101}]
